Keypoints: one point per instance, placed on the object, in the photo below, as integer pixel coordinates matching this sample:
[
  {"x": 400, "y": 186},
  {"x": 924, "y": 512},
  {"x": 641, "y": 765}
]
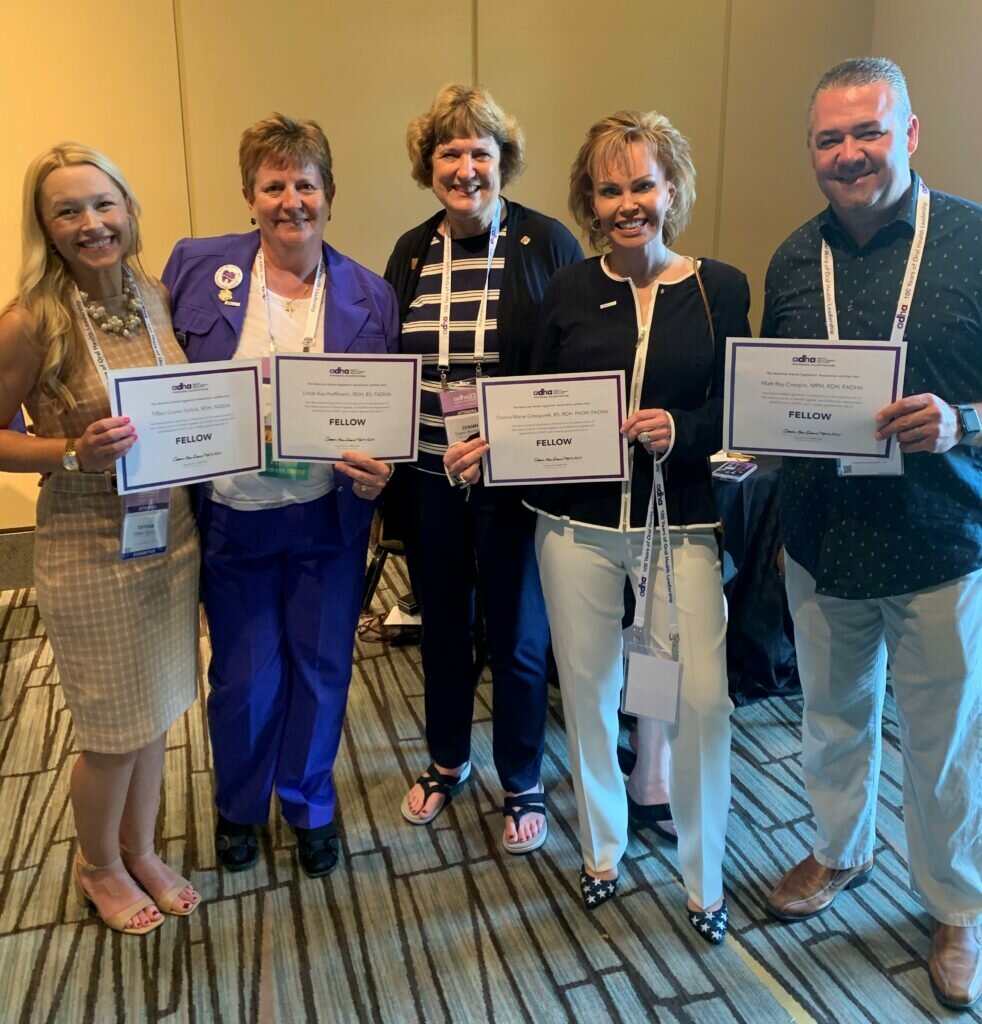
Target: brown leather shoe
[
  {"x": 955, "y": 965},
  {"x": 809, "y": 888}
]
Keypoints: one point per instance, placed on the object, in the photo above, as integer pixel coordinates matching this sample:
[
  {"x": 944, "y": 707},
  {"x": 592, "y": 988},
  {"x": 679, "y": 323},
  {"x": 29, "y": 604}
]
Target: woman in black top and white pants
[{"x": 662, "y": 318}]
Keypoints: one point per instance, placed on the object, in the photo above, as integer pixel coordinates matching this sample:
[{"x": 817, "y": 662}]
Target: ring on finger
[
  {"x": 363, "y": 488},
  {"x": 644, "y": 437},
  {"x": 918, "y": 434}
]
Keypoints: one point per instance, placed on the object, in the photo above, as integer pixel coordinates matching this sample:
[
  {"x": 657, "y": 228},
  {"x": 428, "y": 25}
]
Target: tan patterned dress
[{"x": 124, "y": 633}]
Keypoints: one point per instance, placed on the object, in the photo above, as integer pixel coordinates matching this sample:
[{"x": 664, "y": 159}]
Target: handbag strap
[{"x": 705, "y": 299}]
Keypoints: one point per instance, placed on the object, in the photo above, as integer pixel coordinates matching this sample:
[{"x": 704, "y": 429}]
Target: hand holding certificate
[
  {"x": 815, "y": 398},
  {"x": 325, "y": 405},
  {"x": 555, "y": 429},
  {"x": 193, "y": 422}
]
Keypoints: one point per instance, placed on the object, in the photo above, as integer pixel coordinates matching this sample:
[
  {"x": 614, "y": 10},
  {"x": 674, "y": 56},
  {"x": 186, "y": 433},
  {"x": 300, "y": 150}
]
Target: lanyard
[
  {"x": 910, "y": 274},
  {"x": 656, "y": 503},
  {"x": 446, "y": 292},
  {"x": 316, "y": 301},
  {"x": 92, "y": 339}
]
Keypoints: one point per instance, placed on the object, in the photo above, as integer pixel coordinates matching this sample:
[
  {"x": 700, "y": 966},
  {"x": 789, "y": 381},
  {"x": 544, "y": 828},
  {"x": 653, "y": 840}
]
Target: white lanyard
[
  {"x": 316, "y": 301},
  {"x": 446, "y": 293},
  {"x": 910, "y": 274},
  {"x": 656, "y": 503},
  {"x": 92, "y": 339}
]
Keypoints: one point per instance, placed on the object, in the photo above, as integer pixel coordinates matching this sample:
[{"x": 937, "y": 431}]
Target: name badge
[
  {"x": 145, "y": 520},
  {"x": 652, "y": 682},
  {"x": 460, "y": 416},
  {"x": 894, "y": 466}
]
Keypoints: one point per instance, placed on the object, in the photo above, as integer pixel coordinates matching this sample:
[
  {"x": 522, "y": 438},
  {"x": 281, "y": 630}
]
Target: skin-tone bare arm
[{"x": 103, "y": 442}]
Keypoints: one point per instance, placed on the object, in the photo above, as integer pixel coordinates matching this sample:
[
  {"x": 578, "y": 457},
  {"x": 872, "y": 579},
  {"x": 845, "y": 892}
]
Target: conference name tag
[
  {"x": 652, "y": 681},
  {"x": 145, "y": 520},
  {"x": 460, "y": 416}
]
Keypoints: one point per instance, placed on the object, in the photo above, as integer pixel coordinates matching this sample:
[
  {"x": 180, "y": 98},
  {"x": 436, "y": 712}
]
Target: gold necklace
[{"x": 290, "y": 304}]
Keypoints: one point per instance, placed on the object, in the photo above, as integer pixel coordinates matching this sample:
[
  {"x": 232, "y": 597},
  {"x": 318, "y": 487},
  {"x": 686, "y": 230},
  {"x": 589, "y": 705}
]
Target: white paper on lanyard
[
  {"x": 894, "y": 466},
  {"x": 653, "y": 677}
]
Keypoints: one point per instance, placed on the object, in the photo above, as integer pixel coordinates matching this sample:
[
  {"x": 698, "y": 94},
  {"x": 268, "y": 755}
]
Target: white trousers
[
  {"x": 933, "y": 639},
  {"x": 583, "y": 570}
]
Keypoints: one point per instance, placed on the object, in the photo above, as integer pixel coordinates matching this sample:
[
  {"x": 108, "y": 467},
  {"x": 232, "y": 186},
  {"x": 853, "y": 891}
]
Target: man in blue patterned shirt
[{"x": 890, "y": 566}]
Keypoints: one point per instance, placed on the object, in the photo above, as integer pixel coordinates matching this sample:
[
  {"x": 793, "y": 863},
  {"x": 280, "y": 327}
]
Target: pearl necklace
[{"x": 114, "y": 324}]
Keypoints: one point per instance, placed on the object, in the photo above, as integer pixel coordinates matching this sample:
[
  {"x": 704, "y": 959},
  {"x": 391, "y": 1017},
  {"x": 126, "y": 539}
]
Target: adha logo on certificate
[
  {"x": 185, "y": 386},
  {"x": 813, "y": 360},
  {"x": 550, "y": 393}
]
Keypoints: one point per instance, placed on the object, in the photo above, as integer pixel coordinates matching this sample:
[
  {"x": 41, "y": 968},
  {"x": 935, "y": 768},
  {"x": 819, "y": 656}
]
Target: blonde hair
[
  {"x": 606, "y": 145},
  {"x": 44, "y": 282},
  {"x": 459, "y": 111},
  {"x": 283, "y": 141}
]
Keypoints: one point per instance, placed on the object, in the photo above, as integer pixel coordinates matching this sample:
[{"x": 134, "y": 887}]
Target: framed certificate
[
  {"x": 324, "y": 405},
  {"x": 559, "y": 429},
  {"x": 814, "y": 398},
  {"x": 193, "y": 422}
]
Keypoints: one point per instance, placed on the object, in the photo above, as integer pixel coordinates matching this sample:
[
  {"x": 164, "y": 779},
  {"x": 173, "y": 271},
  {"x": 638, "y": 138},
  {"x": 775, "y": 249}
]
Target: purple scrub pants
[{"x": 282, "y": 593}]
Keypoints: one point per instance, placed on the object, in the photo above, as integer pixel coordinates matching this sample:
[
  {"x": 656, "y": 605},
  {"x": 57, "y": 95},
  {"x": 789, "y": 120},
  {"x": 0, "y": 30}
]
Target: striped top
[{"x": 421, "y": 330}]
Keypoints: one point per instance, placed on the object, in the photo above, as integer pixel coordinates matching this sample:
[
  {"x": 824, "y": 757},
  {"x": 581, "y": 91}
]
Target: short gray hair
[{"x": 864, "y": 71}]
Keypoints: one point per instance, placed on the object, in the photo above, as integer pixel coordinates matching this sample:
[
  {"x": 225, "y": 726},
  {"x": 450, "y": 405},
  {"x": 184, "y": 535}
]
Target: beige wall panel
[
  {"x": 778, "y": 51},
  {"x": 18, "y": 498},
  {"x": 361, "y": 70},
  {"x": 561, "y": 65},
  {"x": 104, "y": 74},
  {"x": 937, "y": 45}
]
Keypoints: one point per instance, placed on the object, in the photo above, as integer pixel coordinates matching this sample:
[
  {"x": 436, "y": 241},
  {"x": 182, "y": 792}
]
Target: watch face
[
  {"x": 70, "y": 461},
  {"x": 970, "y": 422}
]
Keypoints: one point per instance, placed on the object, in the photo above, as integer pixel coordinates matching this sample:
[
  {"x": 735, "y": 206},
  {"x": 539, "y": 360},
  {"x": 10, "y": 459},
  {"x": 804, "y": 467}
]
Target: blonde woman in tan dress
[{"x": 123, "y": 630}]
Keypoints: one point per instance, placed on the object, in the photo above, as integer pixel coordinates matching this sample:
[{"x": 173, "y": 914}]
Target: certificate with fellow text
[
  {"x": 193, "y": 423},
  {"x": 550, "y": 430},
  {"x": 814, "y": 398},
  {"x": 324, "y": 405}
]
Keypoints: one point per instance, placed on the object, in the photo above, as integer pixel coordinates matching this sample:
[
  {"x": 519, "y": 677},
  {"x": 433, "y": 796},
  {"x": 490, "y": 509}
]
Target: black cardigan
[{"x": 588, "y": 322}]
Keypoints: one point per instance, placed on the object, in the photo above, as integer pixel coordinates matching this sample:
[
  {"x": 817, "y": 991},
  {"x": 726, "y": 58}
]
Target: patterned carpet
[{"x": 433, "y": 924}]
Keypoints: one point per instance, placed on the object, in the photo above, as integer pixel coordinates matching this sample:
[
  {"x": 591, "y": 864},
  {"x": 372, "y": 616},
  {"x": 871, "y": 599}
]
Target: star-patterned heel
[
  {"x": 710, "y": 925},
  {"x": 596, "y": 891}
]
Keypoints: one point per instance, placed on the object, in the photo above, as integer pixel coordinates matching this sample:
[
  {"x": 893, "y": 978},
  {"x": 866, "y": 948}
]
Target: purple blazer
[{"x": 360, "y": 315}]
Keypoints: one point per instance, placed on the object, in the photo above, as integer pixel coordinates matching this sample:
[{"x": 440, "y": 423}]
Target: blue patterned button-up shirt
[{"x": 867, "y": 537}]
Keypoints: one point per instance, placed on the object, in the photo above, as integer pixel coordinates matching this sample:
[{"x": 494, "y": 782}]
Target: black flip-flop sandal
[
  {"x": 516, "y": 807},
  {"x": 434, "y": 781}
]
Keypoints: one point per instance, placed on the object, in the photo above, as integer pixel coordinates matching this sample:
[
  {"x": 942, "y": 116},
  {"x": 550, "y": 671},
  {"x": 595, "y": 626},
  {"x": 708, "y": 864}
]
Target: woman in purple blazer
[{"x": 283, "y": 551}]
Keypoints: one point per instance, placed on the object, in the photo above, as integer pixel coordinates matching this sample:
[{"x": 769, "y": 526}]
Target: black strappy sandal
[
  {"x": 434, "y": 781},
  {"x": 641, "y": 816}
]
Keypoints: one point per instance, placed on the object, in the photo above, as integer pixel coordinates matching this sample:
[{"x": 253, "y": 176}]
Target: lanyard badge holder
[
  {"x": 893, "y": 466},
  {"x": 145, "y": 516},
  {"x": 653, "y": 676},
  {"x": 459, "y": 405},
  {"x": 287, "y": 470}
]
